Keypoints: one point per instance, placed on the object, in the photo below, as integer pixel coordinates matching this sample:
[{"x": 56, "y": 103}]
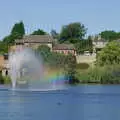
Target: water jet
[{"x": 27, "y": 72}]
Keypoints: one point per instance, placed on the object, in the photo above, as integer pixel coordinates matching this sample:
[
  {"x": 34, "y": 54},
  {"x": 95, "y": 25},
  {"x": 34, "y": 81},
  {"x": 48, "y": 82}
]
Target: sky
[{"x": 96, "y": 15}]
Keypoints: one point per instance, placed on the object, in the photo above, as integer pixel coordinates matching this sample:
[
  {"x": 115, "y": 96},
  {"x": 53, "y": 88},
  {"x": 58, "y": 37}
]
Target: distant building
[
  {"x": 65, "y": 49},
  {"x": 4, "y": 67},
  {"x": 99, "y": 44},
  {"x": 34, "y": 41}
]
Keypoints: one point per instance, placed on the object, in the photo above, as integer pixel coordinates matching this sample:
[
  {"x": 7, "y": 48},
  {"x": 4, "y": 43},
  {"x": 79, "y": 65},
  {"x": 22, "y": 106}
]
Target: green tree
[
  {"x": 8, "y": 39},
  {"x": 110, "y": 35},
  {"x": 54, "y": 34},
  {"x": 70, "y": 68},
  {"x": 39, "y": 32},
  {"x": 3, "y": 48},
  {"x": 1, "y": 79},
  {"x": 110, "y": 54},
  {"x": 17, "y": 32},
  {"x": 44, "y": 51},
  {"x": 84, "y": 45},
  {"x": 90, "y": 44},
  {"x": 72, "y": 32}
]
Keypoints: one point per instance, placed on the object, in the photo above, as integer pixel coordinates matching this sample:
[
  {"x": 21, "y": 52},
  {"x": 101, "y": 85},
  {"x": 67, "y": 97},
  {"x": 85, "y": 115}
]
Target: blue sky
[{"x": 96, "y": 15}]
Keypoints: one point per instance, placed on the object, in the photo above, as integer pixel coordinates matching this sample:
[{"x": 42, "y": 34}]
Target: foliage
[
  {"x": 71, "y": 68},
  {"x": 8, "y": 40},
  {"x": 82, "y": 66},
  {"x": 59, "y": 61},
  {"x": 7, "y": 79},
  {"x": 17, "y": 32},
  {"x": 4, "y": 79},
  {"x": 84, "y": 45},
  {"x": 39, "y": 32},
  {"x": 44, "y": 51},
  {"x": 90, "y": 44},
  {"x": 72, "y": 32},
  {"x": 1, "y": 79},
  {"x": 110, "y": 35},
  {"x": 54, "y": 34},
  {"x": 3, "y": 48},
  {"x": 100, "y": 75},
  {"x": 109, "y": 54}
]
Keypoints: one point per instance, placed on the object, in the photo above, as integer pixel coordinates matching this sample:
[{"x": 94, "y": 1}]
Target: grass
[{"x": 109, "y": 74}]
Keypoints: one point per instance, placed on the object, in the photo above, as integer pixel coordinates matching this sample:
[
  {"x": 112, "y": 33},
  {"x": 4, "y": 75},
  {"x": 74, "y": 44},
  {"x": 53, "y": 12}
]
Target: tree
[
  {"x": 84, "y": 45},
  {"x": 43, "y": 48},
  {"x": 3, "y": 48},
  {"x": 39, "y": 32},
  {"x": 90, "y": 44},
  {"x": 44, "y": 51},
  {"x": 110, "y": 54},
  {"x": 73, "y": 32},
  {"x": 110, "y": 35},
  {"x": 8, "y": 39},
  {"x": 17, "y": 32},
  {"x": 54, "y": 34},
  {"x": 70, "y": 68},
  {"x": 1, "y": 79}
]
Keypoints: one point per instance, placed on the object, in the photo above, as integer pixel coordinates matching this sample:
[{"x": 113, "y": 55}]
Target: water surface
[{"x": 84, "y": 102}]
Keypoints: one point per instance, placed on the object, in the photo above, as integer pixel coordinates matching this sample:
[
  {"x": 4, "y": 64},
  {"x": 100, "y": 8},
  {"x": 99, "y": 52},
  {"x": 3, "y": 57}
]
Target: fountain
[{"x": 27, "y": 72}]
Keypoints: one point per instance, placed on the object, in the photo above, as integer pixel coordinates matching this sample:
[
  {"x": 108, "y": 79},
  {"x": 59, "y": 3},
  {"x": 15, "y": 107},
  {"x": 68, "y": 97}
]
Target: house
[
  {"x": 4, "y": 67},
  {"x": 34, "y": 41},
  {"x": 64, "y": 48},
  {"x": 99, "y": 44}
]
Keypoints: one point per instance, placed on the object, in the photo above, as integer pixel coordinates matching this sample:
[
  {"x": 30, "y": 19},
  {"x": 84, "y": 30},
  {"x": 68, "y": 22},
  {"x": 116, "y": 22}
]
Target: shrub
[
  {"x": 103, "y": 75},
  {"x": 1, "y": 79},
  {"x": 82, "y": 66},
  {"x": 58, "y": 60},
  {"x": 109, "y": 54},
  {"x": 7, "y": 79}
]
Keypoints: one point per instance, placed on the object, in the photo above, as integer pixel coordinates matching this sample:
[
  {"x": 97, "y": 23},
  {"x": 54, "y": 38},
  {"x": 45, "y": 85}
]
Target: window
[
  {"x": 6, "y": 73},
  {"x": 5, "y": 57}
]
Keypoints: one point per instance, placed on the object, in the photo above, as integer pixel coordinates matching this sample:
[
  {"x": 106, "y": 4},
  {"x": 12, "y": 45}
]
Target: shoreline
[{"x": 96, "y": 84}]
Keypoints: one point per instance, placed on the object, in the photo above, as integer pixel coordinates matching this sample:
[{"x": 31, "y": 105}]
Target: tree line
[{"x": 73, "y": 33}]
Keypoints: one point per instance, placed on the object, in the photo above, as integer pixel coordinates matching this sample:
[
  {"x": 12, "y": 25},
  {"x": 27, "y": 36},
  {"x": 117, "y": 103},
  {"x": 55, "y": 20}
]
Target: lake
[{"x": 83, "y": 102}]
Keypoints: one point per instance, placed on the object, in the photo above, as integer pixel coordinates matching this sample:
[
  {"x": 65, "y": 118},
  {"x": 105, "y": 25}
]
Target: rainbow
[{"x": 55, "y": 77}]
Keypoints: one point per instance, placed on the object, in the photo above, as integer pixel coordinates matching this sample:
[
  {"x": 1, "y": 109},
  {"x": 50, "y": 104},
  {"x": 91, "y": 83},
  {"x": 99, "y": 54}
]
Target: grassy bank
[
  {"x": 99, "y": 75},
  {"x": 5, "y": 80}
]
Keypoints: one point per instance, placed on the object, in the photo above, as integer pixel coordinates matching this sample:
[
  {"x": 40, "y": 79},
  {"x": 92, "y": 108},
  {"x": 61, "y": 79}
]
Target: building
[
  {"x": 64, "y": 48},
  {"x": 4, "y": 67},
  {"x": 99, "y": 44},
  {"x": 87, "y": 57},
  {"x": 34, "y": 41}
]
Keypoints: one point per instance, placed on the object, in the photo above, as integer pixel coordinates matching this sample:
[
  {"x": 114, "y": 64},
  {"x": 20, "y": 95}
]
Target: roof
[
  {"x": 100, "y": 40},
  {"x": 63, "y": 47},
  {"x": 35, "y": 39}
]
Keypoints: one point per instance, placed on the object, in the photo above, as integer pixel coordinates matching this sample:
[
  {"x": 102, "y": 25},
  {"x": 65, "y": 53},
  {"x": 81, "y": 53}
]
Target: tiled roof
[
  {"x": 100, "y": 40},
  {"x": 63, "y": 47},
  {"x": 35, "y": 39}
]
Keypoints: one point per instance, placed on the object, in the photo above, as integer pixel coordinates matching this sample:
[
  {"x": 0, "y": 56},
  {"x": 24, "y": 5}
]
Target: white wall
[{"x": 86, "y": 59}]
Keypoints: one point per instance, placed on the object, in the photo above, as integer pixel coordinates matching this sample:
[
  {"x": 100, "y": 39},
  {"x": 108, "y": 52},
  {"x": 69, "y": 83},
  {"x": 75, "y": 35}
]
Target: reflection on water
[{"x": 82, "y": 102}]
